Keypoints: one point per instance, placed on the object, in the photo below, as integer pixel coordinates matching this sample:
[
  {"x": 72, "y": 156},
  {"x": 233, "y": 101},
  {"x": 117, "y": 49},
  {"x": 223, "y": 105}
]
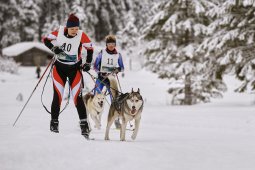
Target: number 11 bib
[{"x": 108, "y": 62}]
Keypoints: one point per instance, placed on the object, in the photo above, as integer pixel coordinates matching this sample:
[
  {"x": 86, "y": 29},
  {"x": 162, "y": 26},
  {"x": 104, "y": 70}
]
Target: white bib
[
  {"x": 108, "y": 62},
  {"x": 69, "y": 45}
]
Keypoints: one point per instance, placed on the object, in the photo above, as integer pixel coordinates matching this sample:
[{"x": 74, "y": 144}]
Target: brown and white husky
[{"x": 128, "y": 107}]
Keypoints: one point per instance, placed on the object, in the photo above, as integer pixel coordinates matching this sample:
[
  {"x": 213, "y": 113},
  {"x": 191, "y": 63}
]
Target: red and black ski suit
[{"x": 72, "y": 70}]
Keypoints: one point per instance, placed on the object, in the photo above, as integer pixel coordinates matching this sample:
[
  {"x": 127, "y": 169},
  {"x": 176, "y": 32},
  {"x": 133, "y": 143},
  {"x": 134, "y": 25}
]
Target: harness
[
  {"x": 120, "y": 101},
  {"x": 102, "y": 81}
]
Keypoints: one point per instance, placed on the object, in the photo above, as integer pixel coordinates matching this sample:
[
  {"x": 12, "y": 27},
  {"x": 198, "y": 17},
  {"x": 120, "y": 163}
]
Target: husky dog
[
  {"x": 127, "y": 106},
  {"x": 95, "y": 107}
]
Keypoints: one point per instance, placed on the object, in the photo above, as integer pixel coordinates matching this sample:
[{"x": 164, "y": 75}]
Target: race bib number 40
[
  {"x": 66, "y": 47},
  {"x": 69, "y": 45}
]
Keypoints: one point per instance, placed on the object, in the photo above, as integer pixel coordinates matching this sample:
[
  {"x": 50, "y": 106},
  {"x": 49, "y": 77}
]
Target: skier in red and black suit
[{"x": 67, "y": 43}]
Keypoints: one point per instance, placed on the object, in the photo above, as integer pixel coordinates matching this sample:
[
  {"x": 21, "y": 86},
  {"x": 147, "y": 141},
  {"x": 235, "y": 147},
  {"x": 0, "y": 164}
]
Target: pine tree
[
  {"x": 10, "y": 23},
  {"x": 109, "y": 17},
  {"x": 98, "y": 18},
  {"x": 129, "y": 38},
  {"x": 88, "y": 18},
  {"x": 78, "y": 10},
  {"x": 29, "y": 19},
  {"x": 137, "y": 13},
  {"x": 55, "y": 13},
  {"x": 231, "y": 39},
  {"x": 174, "y": 35}
]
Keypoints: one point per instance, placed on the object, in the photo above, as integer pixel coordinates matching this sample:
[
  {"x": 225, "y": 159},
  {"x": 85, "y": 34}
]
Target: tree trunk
[{"x": 187, "y": 90}]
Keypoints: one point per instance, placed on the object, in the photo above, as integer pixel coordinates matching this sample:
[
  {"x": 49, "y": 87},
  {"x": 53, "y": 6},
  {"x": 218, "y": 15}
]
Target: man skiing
[
  {"x": 67, "y": 43},
  {"x": 108, "y": 61}
]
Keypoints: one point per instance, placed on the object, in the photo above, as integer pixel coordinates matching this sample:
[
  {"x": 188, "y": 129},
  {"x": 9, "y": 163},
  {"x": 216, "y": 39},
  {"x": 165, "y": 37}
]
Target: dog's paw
[{"x": 133, "y": 137}]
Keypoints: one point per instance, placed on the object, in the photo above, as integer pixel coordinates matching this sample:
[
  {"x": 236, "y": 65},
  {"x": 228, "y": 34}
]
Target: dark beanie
[{"x": 73, "y": 21}]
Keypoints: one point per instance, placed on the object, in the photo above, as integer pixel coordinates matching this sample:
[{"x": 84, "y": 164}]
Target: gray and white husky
[
  {"x": 128, "y": 107},
  {"x": 95, "y": 106}
]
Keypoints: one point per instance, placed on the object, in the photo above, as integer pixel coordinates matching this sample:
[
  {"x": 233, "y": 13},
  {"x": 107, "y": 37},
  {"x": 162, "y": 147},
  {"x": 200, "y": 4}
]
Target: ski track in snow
[{"x": 215, "y": 136}]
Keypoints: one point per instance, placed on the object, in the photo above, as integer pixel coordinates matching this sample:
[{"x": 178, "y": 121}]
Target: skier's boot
[
  {"x": 85, "y": 128},
  {"x": 54, "y": 125}
]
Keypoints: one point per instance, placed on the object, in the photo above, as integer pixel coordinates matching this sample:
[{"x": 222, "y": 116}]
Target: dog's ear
[
  {"x": 138, "y": 91},
  {"x": 132, "y": 90}
]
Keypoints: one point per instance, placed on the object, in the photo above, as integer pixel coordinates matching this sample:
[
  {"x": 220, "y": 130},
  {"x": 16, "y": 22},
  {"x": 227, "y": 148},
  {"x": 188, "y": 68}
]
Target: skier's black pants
[{"x": 60, "y": 73}]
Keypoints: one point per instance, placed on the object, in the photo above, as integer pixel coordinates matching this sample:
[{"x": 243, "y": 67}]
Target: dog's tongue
[{"x": 133, "y": 111}]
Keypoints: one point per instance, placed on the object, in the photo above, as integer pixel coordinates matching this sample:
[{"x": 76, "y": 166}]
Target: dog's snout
[
  {"x": 101, "y": 102},
  {"x": 133, "y": 107}
]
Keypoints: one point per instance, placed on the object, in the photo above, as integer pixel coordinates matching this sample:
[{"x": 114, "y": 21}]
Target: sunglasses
[{"x": 111, "y": 44}]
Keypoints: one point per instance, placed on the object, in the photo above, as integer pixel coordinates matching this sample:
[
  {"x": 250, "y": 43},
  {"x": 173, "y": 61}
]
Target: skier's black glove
[
  {"x": 116, "y": 70},
  {"x": 86, "y": 67},
  {"x": 56, "y": 50}
]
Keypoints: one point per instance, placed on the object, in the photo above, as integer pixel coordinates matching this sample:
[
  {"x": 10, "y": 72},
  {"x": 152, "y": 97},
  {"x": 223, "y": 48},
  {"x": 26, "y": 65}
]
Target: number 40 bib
[
  {"x": 69, "y": 45},
  {"x": 108, "y": 62}
]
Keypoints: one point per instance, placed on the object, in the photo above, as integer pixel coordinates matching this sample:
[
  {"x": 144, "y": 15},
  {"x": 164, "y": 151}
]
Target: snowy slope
[{"x": 215, "y": 136}]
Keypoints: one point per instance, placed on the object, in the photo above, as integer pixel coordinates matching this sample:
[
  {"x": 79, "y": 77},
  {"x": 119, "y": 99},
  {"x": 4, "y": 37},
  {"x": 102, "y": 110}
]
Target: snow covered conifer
[
  {"x": 230, "y": 39},
  {"x": 129, "y": 37},
  {"x": 174, "y": 34},
  {"x": 10, "y": 23},
  {"x": 57, "y": 12},
  {"x": 29, "y": 19}
]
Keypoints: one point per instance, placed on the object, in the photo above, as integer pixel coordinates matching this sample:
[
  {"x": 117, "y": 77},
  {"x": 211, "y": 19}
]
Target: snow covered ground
[{"x": 214, "y": 136}]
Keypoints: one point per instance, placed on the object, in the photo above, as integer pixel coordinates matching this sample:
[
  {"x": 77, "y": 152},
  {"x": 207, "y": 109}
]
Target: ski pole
[{"x": 33, "y": 91}]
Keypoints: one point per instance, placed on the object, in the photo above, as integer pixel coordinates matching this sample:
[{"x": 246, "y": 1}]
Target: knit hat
[{"x": 73, "y": 21}]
